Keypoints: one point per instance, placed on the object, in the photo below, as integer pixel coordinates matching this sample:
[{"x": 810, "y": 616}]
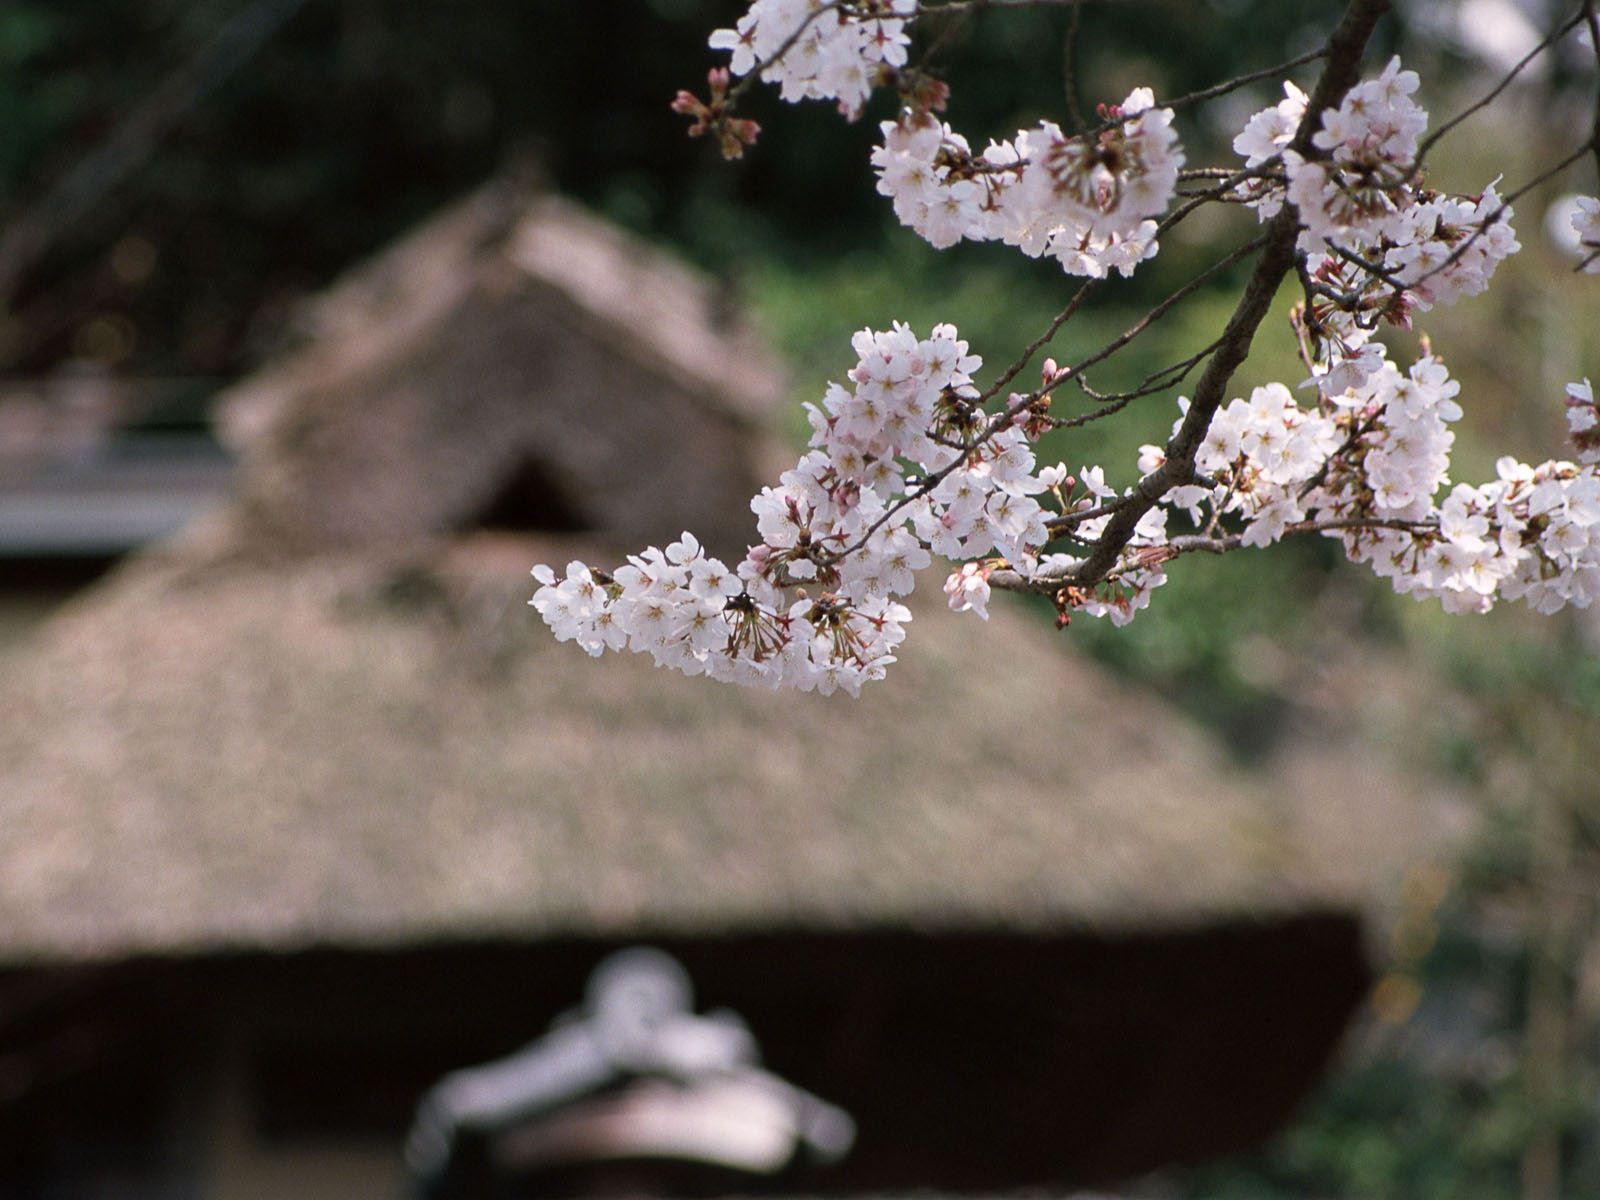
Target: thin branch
[
  {"x": 1193, "y": 173},
  {"x": 1082, "y": 294},
  {"x": 1165, "y": 379},
  {"x": 1378, "y": 270},
  {"x": 1071, "y": 520},
  {"x": 1197, "y": 199},
  {"x": 1109, "y": 406},
  {"x": 947, "y": 32},
  {"x": 1056, "y": 322},
  {"x": 1550, "y": 39},
  {"x": 1198, "y": 543},
  {"x": 1239, "y": 81},
  {"x": 1069, "y": 55},
  {"x": 1165, "y": 306}
]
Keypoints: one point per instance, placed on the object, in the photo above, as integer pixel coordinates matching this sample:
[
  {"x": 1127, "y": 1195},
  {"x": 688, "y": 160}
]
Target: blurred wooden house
[{"x": 303, "y": 809}]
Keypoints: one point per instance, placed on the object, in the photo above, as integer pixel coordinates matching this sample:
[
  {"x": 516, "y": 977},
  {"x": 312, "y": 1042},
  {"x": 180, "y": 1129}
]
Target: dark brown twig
[
  {"x": 1069, "y": 56},
  {"x": 1198, "y": 543},
  {"x": 1343, "y": 60},
  {"x": 1550, "y": 39}
]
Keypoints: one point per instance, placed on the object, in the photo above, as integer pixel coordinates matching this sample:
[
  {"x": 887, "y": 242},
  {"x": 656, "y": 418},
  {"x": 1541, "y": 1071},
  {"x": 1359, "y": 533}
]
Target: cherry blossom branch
[
  {"x": 1362, "y": 428},
  {"x": 1087, "y": 288},
  {"x": 995, "y": 424},
  {"x": 1353, "y": 300},
  {"x": 1376, "y": 270},
  {"x": 1483, "y": 226},
  {"x": 788, "y": 44},
  {"x": 905, "y": 463},
  {"x": 1343, "y": 53},
  {"x": 1003, "y": 419}
]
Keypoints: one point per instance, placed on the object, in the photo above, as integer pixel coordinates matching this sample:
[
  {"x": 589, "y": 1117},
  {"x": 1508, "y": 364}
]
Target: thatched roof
[
  {"x": 512, "y": 329},
  {"x": 325, "y": 718},
  {"x": 350, "y": 753}
]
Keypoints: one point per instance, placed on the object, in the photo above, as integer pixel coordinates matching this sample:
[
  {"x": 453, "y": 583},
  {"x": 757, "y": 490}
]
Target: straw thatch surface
[{"x": 351, "y": 754}]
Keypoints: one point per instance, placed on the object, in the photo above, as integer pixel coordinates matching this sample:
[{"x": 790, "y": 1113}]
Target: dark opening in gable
[{"x": 528, "y": 500}]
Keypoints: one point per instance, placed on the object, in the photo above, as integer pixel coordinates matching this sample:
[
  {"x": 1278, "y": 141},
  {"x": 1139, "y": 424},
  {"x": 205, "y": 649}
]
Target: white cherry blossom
[
  {"x": 1088, "y": 202},
  {"x": 834, "y": 54}
]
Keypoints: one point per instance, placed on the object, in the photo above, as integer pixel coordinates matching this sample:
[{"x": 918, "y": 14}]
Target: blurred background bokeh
[{"x": 219, "y": 322}]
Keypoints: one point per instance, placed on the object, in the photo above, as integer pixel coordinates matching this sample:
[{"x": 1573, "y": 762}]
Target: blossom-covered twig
[
  {"x": 913, "y": 459},
  {"x": 1344, "y": 49}
]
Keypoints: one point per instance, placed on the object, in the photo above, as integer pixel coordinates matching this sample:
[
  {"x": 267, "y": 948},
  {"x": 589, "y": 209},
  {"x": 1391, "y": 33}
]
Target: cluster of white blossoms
[
  {"x": 818, "y": 51},
  {"x": 1265, "y": 136},
  {"x": 903, "y": 463},
  {"x": 1360, "y": 191},
  {"x": 1258, "y": 453},
  {"x": 1367, "y": 466},
  {"x": 1378, "y": 245},
  {"x": 1086, "y": 201}
]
